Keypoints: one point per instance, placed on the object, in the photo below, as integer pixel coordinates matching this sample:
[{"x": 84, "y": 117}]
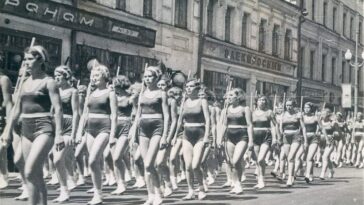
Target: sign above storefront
[
  {"x": 70, "y": 17},
  {"x": 311, "y": 93},
  {"x": 247, "y": 57}
]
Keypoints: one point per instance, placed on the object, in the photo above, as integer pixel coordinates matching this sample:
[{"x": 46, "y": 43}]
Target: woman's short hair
[
  {"x": 155, "y": 70},
  {"x": 104, "y": 71},
  {"x": 121, "y": 82},
  {"x": 65, "y": 71},
  {"x": 311, "y": 105},
  {"x": 239, "y": 93},
  {"x": 39, "y": 52}
]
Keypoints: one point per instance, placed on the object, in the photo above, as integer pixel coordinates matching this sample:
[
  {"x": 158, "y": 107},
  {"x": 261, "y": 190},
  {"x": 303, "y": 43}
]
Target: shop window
[
  {"x": 270, "y": 90},
  {"x": 180, "y": 15},
  {"x": 130, "y": 65},
  {"x": 323, "y": 67},
  {"x": 210, "y": 17},
  {"x": 312, "y": 63},
  {"x": 121, "y": 5},
  {"x": 333, "y": 70},
  {"x": 275, "y": 40},
  {"x": 245, "y": 29},
  {"x": 228, "y": 23},
  {"x": 262, "y": 26},
  {"x": 148, "y": 8},
  {"x": 288, "y": 45}
]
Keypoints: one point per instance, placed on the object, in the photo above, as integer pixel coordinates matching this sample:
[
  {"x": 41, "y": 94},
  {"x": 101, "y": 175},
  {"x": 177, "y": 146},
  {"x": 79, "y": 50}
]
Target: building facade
[
  {"x": 255, "y": 42},
  {"x": 329, "y": 29},
  {"x": 119, "y": 33}
]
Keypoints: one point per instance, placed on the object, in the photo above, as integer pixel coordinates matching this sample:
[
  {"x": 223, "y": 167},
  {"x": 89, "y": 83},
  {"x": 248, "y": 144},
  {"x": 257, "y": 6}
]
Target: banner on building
[{"x": 346, "y": 96}]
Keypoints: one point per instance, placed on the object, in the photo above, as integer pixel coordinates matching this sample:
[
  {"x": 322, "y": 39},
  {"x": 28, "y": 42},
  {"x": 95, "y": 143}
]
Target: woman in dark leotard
[
  {"x": 126, "y": 102},
  {"x": 62, "y": 158},
  {"x": 311, "y": 122},
  {"x": 196, "y": 119},
  {"x": 292, "y": 129},
  {"x": 39, "y": 93},
  {"x": 239, "y": 134},
  {"x": 264, "y": 134},
  {"x": 339, "y": 137},
  {"x": 5, "y": 109},
  {"x": 328, "y": 126},
  {"x": 153, "y": 130},
  {"x": 101, "y": 125}
]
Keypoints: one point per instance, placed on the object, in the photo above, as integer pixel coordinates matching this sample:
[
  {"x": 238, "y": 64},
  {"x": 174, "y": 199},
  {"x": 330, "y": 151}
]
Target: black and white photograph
[{"x": 181, "y": 102}]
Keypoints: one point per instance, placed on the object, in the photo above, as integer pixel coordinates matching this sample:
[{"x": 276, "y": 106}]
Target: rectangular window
[
  {"x": 351, "y": 27},
  {"x": 333, "y": 70},
  {"x": 344, "y": 24},
  {"x": 313, "y": 10},
  {"x": 228, "y": 24},
  {"x": 312, "y": 63},
  {"x": 121, "y": 5},
  {"x": 325, "y": 13},
  {"x": 334, "y": 18},
  {"x": 148, "y": 8},
  {"x": 343, "y": 65},
  {"x": 262, "y": 26},
  {"x": 323, "y": 68},
  {"x": 288, "y": 45},
  {"x": 244, "y": 29},
  {"x": 275, "y": 40},
  {"x": 180, "y": 15},
  {"x": 210, "y": 17}
]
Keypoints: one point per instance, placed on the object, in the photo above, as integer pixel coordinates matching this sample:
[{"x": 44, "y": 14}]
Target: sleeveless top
[
  {"x": 124, "y": 109},
  {"x": 99, "y": 104},
  {"x": 359, "y": 126},
  {"x": 37, "y": 100},
  {"x": 193, "y": 114},
  {"x": 328, "y": 126},
  {"x": 341, "y": 126},
  {"x": 237, "y": 118},
  {"x": 310, "y": 123},
  {"x": 290, "y": 122},
  {"x": 263, "y": 122},
  {"x": 151, "y": 105},
  {"x": 66, "y": 98}
]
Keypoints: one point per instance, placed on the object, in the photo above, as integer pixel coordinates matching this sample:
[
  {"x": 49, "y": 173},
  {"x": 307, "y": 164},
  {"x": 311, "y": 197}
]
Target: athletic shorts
[
  {"x": 312, "y": 138},
  {"x": 235, "y": 135},
  {"x": 96, "y": 126},
  {"x": 262, "y": 137},
  {"x": 149, "y": 127},
  {"x": 123, "y": 127},
  {"x": 67, "y": 126},
  {"x": 33, "y": 127},
  {"x": 194, "y": 134},
  {"x": 289, "y": 138}
]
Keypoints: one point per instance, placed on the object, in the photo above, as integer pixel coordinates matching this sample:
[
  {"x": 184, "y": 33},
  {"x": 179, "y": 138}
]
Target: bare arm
[
  {"x": 165, "y": 113},
  {"x": 173, "y": 121},
  {"x": 6, "y": 91},
  {"x": 303, "y": 128},
  {"x": 114, "y": 113},
  {"x": 75, "y": 112},
  {"x": 248, "y": 117},
  {"x": 57, "y": 107},
  {"x": 205, "y": 109}
]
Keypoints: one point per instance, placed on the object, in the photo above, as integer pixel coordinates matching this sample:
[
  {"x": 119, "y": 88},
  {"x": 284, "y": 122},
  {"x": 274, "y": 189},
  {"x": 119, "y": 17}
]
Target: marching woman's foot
[
  {"x": 80, "y": 181},
  {"x": 290, "y": 181},
  {"x": 3, "y": 182},
  {"x": 331, "y": 174},
  {"x": 112, "y": 180},
  {"x": 340, "y": 164},
  {"x": 238, "y": 189},
  {"x": 205, "y": 186},
  {"x": 189, "y": 196},
  {"x": 96, "y": 199},
  {"x": 174, "y": 183},
  {"x": 54, "y": 180},
  {"x": 308, "y": 179},
  {"x": 23, "y": 196},
  {"x": 201, "y": 195},
  {"x": 167, "y": 191},
  {"x": 243, "y": 178},
  {"x": 139, "y": 183},
  {"x": 227, "y": 184},
  {"x": 274, "y": 174},
  {"x": 119, "y": 190},
  {"x": 71, "y": 185},
  {"x": 260, "y": 185},
  {"x": 361, "y": 165},
  {"x": 150, "y": 200},
  {"x": 92, "y": 190},
  {"x": 157, "y": 199},
  {"x": 63, "y": 196}
]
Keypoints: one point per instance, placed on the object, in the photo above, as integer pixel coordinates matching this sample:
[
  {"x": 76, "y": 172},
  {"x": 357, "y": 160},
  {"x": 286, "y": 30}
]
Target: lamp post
[{"x": 356, "y": 65}]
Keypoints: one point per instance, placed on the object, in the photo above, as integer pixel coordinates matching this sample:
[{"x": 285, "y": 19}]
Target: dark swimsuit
[
  {"x": 124, "y": 119},
  {"x": 261, "y": 136},
  {"x": 66, "y": 99},
  {"x": 291, "y": 123},
  {"x": 194, "y": 115},
  {"x": 99, "y": 105},
  {"x": 236, "y": 135},
  {"x": 36, "y": 101},
  {"x": 149, "y": 127},
  {"x": 311, "y": 129}
]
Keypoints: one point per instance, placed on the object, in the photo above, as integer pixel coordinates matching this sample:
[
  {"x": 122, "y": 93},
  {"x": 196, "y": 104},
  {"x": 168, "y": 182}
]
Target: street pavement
[{"x": 347, "y": 187}]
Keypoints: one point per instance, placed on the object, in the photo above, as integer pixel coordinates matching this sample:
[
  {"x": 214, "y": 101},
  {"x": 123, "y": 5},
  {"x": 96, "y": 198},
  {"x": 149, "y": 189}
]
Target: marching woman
[
  {"x": 63, "y": 157},
  {"x": 264, "y": 127},
  {"x": 196, "y": 132},
  {"x": 6, "y": 105},
  {"x": 153, "y": 129},
  {"x": 39, "y": 93},
  {"x": 126, "y": 102},
  {"x": 311, "y": 122},
  {"x": 340, "y": 137},
  {"x": 276, "y": 148},
  {"x": 328, "y": 126},
  {"x": 101, "y": 125},
  {"x": 292, "y": 127},
  {"x": 239, "y": 135},
  {"x": 358, "y": 138}
]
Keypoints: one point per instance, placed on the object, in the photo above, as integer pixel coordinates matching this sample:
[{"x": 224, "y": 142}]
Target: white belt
[
  {"x": 291, "y": 131},
  {"x": 192, "y": 124},
  {"x": 237, "y": 126},
  {"x": 97, "y": 115},
  {"x": 35, "y": 115},
  {"x": 359, "y": 133},
  {"x": 67, "y": 116},
  {"x": 152, "y": 116},
  {"x": 261, "y": 128},
  {"x": 123, "y": 118}
]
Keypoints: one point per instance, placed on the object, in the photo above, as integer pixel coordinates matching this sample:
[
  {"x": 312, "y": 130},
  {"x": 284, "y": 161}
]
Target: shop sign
[
  {"x": 247, "y": 57},
  {"x": 346, "y": 96},
  {"x": 71, "y": 17},
  {"x": 312, "y": 93}
]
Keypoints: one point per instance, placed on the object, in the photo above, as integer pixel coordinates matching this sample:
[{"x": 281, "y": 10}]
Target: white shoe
[
  {"x": 210, "y": 180},
  {"x": 227, "y": 184},
  {"x": 243, "y": 178},
  {"x": 150, "y": 200},
  {"x": 119, "y": 190},
  {"x": 238, "y": 189},
  {"x": 63, "y": 197},
  {"x": 157, "y": 200},
  {"x": 167, "y": 191},
  {"x": 189, "y": 196},
  {"x": 127, "y": 177},
  {"x": 80, "y": 181},
  {"x": 331, "y": 174},
  {"x": 92, "y": 190},
  {"x": 340, "y": 165},
  {"x": 205, "y": 187},
  {"x": 23, "y": 196},
  {"x": 174, "y": 183},
  {"x": 3, "y": 182},
  {"x": 71, "y": 184},
  {"x": 54, "y": 180},
  {"x": 96, "y": 199},
  {"x": 201, "y": 195},
  {"x": 112, "y": 180}
]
